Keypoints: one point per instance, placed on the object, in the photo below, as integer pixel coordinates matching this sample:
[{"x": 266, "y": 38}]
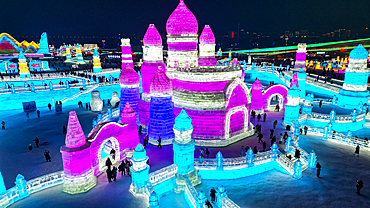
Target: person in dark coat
[
  {"x": 30, "y": 147},
  {"x": 201, "y": 152},
  {"x": 241, "y": 151},
  {"x": 213, "y": 194},
  {"x": 305, "y": 130},
  {"x": 87, "y": 106},
  {"x": 297, "y": 154},
  {"x": 264, "y": 117},
  {"x": 357, "y": 151},
  {"x": 207, "y": 152},
  {"x": 258, "y": 117},
  {"x": 208, "y": 204},
  {"x": 140, "y": 128},
  {"x": 64, "y": 130},
  {"x": 49, "y": 106},
  {"x": 318, "y": 169},
  {"x": 3, "y": 125},
  {"x": 38, "y": 113},
  {"x": 128, "y": 167},
  {"x": 47, "y": 156},
  {"x": 260, "y": 136},
  {"x": 37, "y": 141},
  {"x": 159, "y": 142},
  {"x": 359, "y": 185},
  {"x": 259, "y": 128},
  {"x": 121, "y": 167},
  {"x": 255, "y": 150},
  {"x": 114, "y": 173},
  {"x": 108, "y": 163},
  {"x": 274, "y": 124},
  {"x": 264, "y": 146},
  {"x": 271, "y": 133},
  {"x": 109, "y": 174}
]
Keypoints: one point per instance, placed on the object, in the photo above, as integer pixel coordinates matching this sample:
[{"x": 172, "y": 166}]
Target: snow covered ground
[{"x": 336, "y": 188}]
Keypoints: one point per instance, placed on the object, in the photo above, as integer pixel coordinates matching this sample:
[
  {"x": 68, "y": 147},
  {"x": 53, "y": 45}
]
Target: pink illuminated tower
[
  {"x": 126, "y": 52},
  {"x": 257, "y": 100},
  {"x": 207, "y": 44},
  {"x": 153, "y": 58},
  {"x": 300, "y": 61},
  {"x": 294, "y": 80},
  {"x": 129, "y": 81},
  {"x": 128, "y": 115},
  {"x": 214, "y": 97},
  {"x": 161, "y": 109},
  {"x": 182, "y": 38},
  {"x": 78, "y": 173}
]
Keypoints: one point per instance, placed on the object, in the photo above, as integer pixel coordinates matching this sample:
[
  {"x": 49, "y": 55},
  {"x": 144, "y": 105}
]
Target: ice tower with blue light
[
  {"x": 291, "y": 112},
  {"x": 44, "y": 44},
  {"x": 183, "y": 151},
  {"x": 24, "y": 71},
  {"x": 96, "y": 62},
  {"x": 301, "y": 75},
  {"x": 356, "y": 75},
  {"x": 161, "y": 109},
  {"x": 139, "y": 171}
]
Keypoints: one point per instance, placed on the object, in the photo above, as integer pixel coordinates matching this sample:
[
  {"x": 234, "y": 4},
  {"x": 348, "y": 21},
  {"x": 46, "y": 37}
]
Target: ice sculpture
[
  {"x": 301, "y": 56},
  {"x": 24, "y": 71},
  {"x": 139, "y": 171},
  {"x": 80, "y": 59},
  {"x": 21, "y": 185},
  {"x": 207, "y": 47},
  {"x": 126, "y": 53},
  {"x": 44, "y": 44},
  {"x": 96, "y": 103},
  {"x": 257, "y": 100},
  {"x": 96, "y": 62},
  {"x": 114, "y": 99},
  {"x": 2, "y": 184},
  {"x": 291, "y": 112}
]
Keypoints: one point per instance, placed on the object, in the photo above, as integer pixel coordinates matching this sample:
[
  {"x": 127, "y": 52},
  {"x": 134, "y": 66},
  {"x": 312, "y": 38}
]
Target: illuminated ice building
[
  {"x": 354, "y": 89},
  {"x": 217, "y": 101}
]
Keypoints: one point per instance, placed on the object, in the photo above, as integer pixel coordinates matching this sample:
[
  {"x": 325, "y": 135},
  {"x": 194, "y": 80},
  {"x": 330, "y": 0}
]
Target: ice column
[
  {"x": 301, "y": 75},
  {"x": 126, "y": 52},
  {"x": 23, "y": 66},
  {"x": 291, "y": 112},
  {"x": 301, "y": 56},
  {"x": 44, "y": 45},
  {"x": 79, "y": 57},
  {"x": 257, "y": 103},
  {"x": 207, "y": 44},
  {"x": 139, "y": 171},
  {"x": 78, "y": 173},
  {"x": 96, "y": 62}
]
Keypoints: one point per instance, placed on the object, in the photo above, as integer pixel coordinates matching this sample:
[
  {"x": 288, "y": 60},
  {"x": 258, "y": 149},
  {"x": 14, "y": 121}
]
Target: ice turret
[
  {"x": 207, "y": 47},
  {"x": 75, "y": 136}
]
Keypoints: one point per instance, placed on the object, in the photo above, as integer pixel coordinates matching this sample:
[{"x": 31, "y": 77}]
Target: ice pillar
[
  {"x": 24, "y": 71},
  {"x": 301, "y": 75},
  {"x": 96, "y": 62},
  {"x": 207, "y": 46},
  {"x": 126, "y": 52},
  {"x": 139, "y": 171},
  {"x": 44, "y": 44},
  {"x": 301, "y": 56},
  {"x": 291, "y": 112},
  {"x": 257, "y": 103}
]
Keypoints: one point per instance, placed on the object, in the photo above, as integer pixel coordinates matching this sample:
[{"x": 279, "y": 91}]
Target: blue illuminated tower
[
  {"x": 139, "y": 171},
  {"x": 356, "y": 75},
  {"x": 291, "y": 112},
  {"x": 161, "y": 109},
  {"x": 183, "y": 151},
  {"x": 96, "y": 62},
  {"x": 301, "y": 74},
  {"x": 129, "y": 81},
  {"x": 44, "y": 44}
]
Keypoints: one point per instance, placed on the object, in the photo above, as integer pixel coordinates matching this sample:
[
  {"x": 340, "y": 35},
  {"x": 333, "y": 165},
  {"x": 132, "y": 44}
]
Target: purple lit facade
[
  {"x": 301, "y": 56},
  {"x": 126, "y": 52},
  {"x": 207, "y": 44},
  {"x": 257, "y": 97}
]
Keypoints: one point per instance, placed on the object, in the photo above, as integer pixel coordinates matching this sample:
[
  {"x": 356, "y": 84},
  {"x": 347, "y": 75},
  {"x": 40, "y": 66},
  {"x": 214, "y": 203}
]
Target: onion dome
[
  {"x": 129, "y": 76},
  {"x": 207, "y": 36},
  {"x": 359, "y": 53},
  {"x": 183, "y": 121},
  {"x": 182, "y": 21},
  {"x": 161, "y": 83},
  {"x": 257, "y": 85},
  {"x": 152, "y": 37}
]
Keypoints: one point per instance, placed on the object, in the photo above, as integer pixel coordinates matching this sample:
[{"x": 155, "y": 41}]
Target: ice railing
[
  {"x": 228, "y": 203},
  {"x": 302, "y": 117},
  {"x": 232, "y": 163},
  {"x": 43, "y": 88},
  {"x": 352, "y": 141},
  {"x": 190, "y": 193},
  {"x": 163, "y": 174},
  {"x": 284, "y": 162},
  {"x": 204, "y": 69},
  {"x": 315, "y": 130},
  {"x": 35, "y": 77},
  {"x": 79, "y": 93},
  {"x": 327, "y": 101},
  {"x": 105, "y": 116},
  {"x": 303, "y": 157},
  {"x": 38, "y": 184},
  {"x": 338, "y": 118}
]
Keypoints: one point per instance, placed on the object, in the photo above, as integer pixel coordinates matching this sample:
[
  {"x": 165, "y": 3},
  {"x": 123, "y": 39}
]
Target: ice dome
[
  {"x": 129, "y": 76},
  {"x": 183, "y": 121},
  {"x": 160, "y": 82},
  {"x": 207, "y": 36},
  {"x": 182, "y": 21},
  {"x": 359, "y": 53},
  {"x": 152, "y": 37}
]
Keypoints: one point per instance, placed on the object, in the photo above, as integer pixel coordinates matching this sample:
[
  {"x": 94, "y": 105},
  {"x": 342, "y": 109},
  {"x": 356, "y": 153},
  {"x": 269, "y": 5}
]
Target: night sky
[{"x": 129, "y": 17}]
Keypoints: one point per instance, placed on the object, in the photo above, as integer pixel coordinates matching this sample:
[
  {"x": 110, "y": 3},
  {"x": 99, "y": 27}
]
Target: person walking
[
  {"x": 47, "y": 156},
  {"x": 109, "y": 174},
  {"x": 305, "y": 130},
  {"x": 285, "y": 136},
  {"x": 87, "y": 106},
  {"x": 274, "y": 124},
  {"x": 128, "y": 167},
  {"x": 259, "y": 128},
  {"x": 253, "y": 114},
  {"x": 3, "y": 125},
  {"x": 281, "y": 138},
  {"x": 297, "y": 154},
  {"x": 208, "y": 204},
  {"x": 359, "y": 185},
  {"x": 207, "y": 152},
  {"x": 357, "y": 151},
  {"x": 201, "y": 152},
  {"x": 271, "y": 133},
  {"x": 49, "y": 106},
  {"x": 260, "y": 136},
  {"x": 38, "y": 113},
  {"x": 108, "y": 163},
  {"x": 114, "y": 173},
  {"x": 121, "y": 167},
  {"x": 159, "y": 142},
  {"x": 318, "y": 169},
  {"x": 264, "y": 145},
  {"x": 36, "y": 142},
  {"x": 213, "y": 194},
  {"x": 258, "y": 117},
  {"x": 28, "y": 116},
  {"x": 30, "y": 147},
  {"x": 264, "y": 117},
  {"x": 140, "y": 128},
  {"x": 241, "y": 151},
  {"x": 273, "y": 140},
  {"x": 64, "y": 130},
  {"x": 320, "y": 103}
]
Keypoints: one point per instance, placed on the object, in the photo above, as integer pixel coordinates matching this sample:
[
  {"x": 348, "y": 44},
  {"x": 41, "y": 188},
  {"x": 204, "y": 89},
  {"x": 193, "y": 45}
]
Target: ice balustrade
[
  {"x": 315, "y": 130},
  {"x": 190, "y": 193},
  {"x": 228, "y": 203},
  {"x": 225, "y": 142},
  {"x": 204, "y": 69},
  {"x": 338, "y": 118},
  {"x": 302, "y": 117},
  {"x": 36, "y": 77},
  {"x": 326, "y": 101},
  {"x": 33, "y": 186},
  {"x": 233, "y": 163},
  {"x": 303, "y": 156},
  {"x": 352, "y": 141},
  {"x": 163, "y": 174},
  {"x": 285, "y": 162},
  {"x": 106, "y": 117}
]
